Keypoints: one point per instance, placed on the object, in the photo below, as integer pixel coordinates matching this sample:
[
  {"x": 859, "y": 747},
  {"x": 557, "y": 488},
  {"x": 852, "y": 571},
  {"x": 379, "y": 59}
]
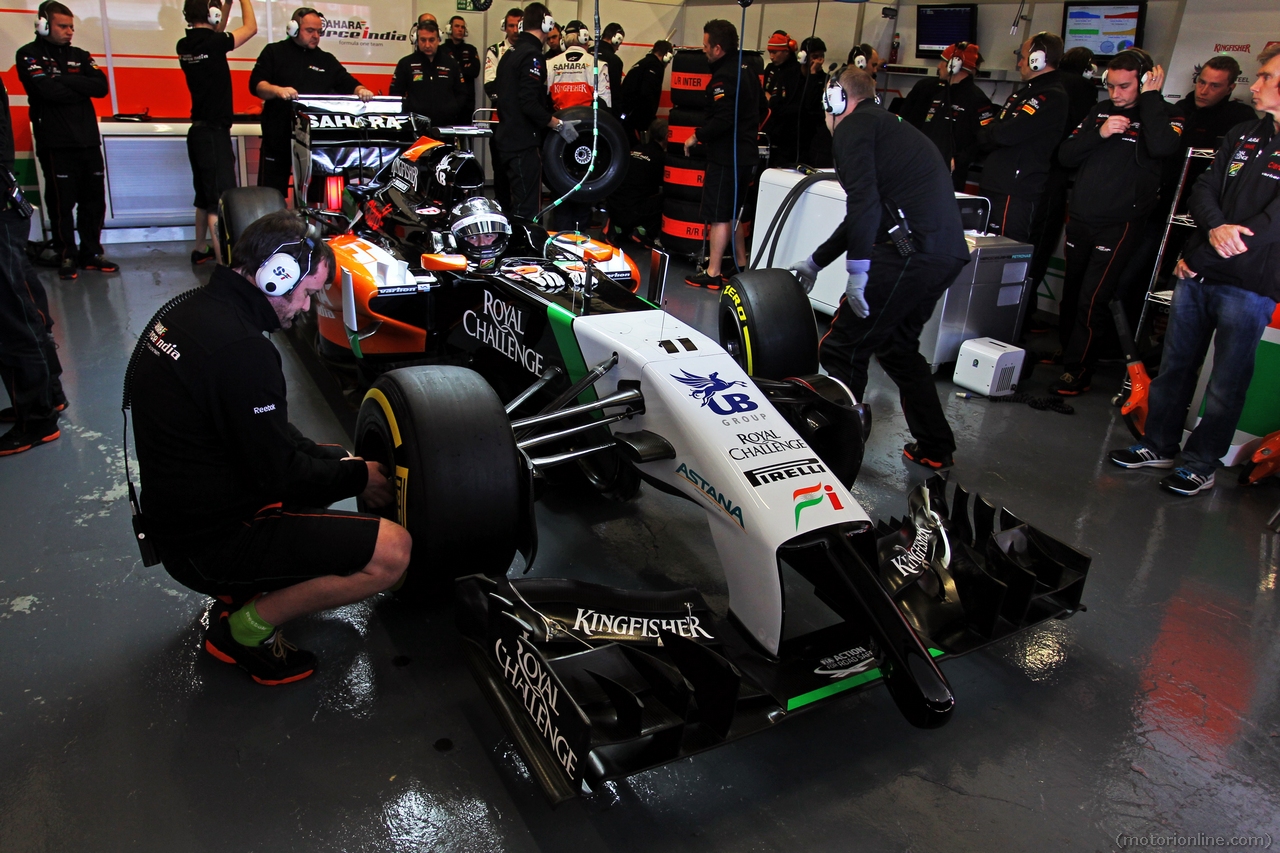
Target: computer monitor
[
  {"x": 1104, "y": 27},
  {"x": 939, "y": 26}
]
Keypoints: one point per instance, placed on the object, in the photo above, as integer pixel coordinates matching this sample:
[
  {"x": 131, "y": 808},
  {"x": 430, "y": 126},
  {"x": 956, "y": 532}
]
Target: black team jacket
[
  {"x": 310, "y": 71},
  {"x": 1119, "y": 177},
  {"x": 952, "y": 121},
  {"x": 211, "y": 420},
  {"x": 883, "y": 161},
  {"x": 641, "y": 93},
  {"x": 525, "y": 106},
  {"x": 1241, "y": 188},
  {"x": 432, "y": 87},
  {"x": 61, "y": 83},
  {"x": 1022, "y": 138},
  {"x": 719, "y": 133}
]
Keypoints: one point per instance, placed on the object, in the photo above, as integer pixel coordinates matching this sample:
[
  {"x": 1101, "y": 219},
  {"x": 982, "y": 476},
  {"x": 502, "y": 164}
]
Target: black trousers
[
  {"x": 524, "y": 177},
  {"x": 1096, "y": 257},
  {"x": 1046, "y": 226},
  {"x": 29, "y": 364},
  {"x": 275, "y": 163},
  {"x": 902, "y": 293},
  {"x": 1011, "y": 215},
  {"x": 76, "y": 196}
]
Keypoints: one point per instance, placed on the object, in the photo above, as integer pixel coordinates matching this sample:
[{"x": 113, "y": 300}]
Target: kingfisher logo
[
  {"x": 706, "y": 389},
  {"x": 811, "y": 496}
]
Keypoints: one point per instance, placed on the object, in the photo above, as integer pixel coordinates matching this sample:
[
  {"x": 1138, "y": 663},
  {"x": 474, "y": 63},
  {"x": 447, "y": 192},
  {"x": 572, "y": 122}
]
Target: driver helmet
[{"x": 480, "y": 228}]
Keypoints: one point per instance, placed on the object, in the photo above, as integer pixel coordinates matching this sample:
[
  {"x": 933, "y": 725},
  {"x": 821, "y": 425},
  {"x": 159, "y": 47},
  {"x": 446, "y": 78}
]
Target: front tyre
[
  {"x": 767, "y": 325},
  {"x": 444, "y": 434}
]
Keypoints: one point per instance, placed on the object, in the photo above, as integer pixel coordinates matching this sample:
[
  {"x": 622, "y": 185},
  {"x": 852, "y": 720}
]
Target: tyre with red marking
[
  {"x": 682, "y": 177},
  {"x": 682, "y": 227}
]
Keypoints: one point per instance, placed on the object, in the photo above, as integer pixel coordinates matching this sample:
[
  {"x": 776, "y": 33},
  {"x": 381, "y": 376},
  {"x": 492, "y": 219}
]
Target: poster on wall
[{"x": 1241, "y": 35}]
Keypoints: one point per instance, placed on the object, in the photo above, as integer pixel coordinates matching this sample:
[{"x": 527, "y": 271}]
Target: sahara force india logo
[
  {"x": 727, "y": 506},
  {"x": 811, "y": 496},
  {"x": 501, "y": 326},
  {"x": 706, "y": 389}
]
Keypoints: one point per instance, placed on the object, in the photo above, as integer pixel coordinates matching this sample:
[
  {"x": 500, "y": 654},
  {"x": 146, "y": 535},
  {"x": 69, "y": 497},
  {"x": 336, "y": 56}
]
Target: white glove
[
  {"x": 568, "y": 129},
  {"x": 855, "y": 293},
  {"x": 806, "y": 273}
]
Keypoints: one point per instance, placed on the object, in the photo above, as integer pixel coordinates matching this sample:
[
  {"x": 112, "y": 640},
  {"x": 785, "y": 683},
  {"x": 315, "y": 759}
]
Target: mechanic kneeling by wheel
[
  {"x": 904, "y": 244},
  {"x": 233, "y": 494}
]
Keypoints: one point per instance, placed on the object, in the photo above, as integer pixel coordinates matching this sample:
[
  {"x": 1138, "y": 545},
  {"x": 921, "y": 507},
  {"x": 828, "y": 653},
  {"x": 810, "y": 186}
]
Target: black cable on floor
[{"x": 1041, "y": 404}]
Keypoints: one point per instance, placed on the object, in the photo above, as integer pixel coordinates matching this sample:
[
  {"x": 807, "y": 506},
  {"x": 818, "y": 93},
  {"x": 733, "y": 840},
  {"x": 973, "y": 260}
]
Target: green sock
[{"x": 248, "y": 628}]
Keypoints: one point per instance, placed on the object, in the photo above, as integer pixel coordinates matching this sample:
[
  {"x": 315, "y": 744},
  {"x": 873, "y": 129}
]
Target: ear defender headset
[
  {"x": 858, "y": 58},
  {"x": 1037, "y": 58},
  {"x": 834, "y": 99},
  {"x": 42, "y": 22},
  {"x": 291, "y": 29},
  {"x": 954, "y": 55},
  {"x": 281, "y": 271},
  {"x": 617, "y": 39},
  {"x": 215, "y": 15}
]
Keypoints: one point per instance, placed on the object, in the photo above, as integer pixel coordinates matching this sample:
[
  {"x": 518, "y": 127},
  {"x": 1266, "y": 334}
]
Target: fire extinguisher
[{"x": 893, "y": 49}]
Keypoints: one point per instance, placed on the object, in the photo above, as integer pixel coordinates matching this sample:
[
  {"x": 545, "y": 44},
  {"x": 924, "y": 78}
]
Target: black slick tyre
[
  {"x": 682, "y": 177},
  {"x": 563, "y": 165},
  {"x": 767, "y": 324},
  {"x": 682, "y": 227},
  {"x": 689, "y": 76},
  {"x": 444, "y": 434},
  {"x": 239, "y": 207}
]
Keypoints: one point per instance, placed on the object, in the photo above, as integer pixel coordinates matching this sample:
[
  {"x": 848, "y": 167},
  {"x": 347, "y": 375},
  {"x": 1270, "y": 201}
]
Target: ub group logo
[
  {"x": 710, "y": 390},
  {"x": 811, "y": 496}
]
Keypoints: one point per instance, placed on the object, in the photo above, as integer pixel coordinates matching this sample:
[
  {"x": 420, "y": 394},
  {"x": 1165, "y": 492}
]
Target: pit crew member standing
[
  {"x": 61, "y": 83},
  {"x": 202, "y": 53},
  {"x": 1118, "y": 149},
  {"x": 467, "y": 59},
  {"x": 812, "y": 124},
  {"x": 233, "y": 494},
  {"x": 782, "y": 84},
  {"x": 959, "y": 110},
  {"x": 492, "y": 56},
  {"x": 641, "y": 92},
  {"x": 29, "y": 364},
  {"x": 1023, "y": 137},
  {"x": 611, "y": 39},
  {"x": 897, "y": 187},
  {"x": 570, "y": 79},
  {"x": 729, "y": 136},
  {"x": 286, "y": 69},
  {"x": 1229, "y": 282},
  {"x": 430, "y": 81},
  {"x": 526, "y": 111},
  {"x": 553, "y": 42}
]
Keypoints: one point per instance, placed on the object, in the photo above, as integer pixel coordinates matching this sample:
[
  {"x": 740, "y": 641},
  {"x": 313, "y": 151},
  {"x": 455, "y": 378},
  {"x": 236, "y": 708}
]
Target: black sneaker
[
  {"x": 275, "y": 661},
  {"x": 1139, "y": 456},
  {"x": 1071, "y": 385},
  {"x": 99, "y": 264},
  {"x": 1054, "y": 357},
  {"x": 199, "y": 257},
  {"x": 1184, "y": 481},
  {"x": 67, "y": 270},
  {"x": 702, "y": 279},
  {"x": 16, "y": 441},
  {"x": 936, "y": 461},
  {"x": 9, "y": 416}
]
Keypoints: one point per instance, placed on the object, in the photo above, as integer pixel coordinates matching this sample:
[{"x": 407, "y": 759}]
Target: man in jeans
[{"x": 1229, "y": 281}]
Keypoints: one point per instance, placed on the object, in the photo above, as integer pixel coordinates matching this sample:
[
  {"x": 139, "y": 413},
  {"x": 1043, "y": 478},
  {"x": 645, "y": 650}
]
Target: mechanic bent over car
[
  {"x": 904, "y": 244},
  {"x": 233, "y": 494}
]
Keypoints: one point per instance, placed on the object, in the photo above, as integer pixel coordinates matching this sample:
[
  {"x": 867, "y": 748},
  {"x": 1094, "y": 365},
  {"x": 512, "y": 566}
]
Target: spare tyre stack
[{"x": 682, "y": 228}]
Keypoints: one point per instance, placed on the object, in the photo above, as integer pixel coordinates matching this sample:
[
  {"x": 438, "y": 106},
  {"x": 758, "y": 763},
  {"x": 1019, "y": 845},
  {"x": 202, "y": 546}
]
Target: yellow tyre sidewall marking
[
  {"x": 741, "y": 313},
  {"x": 402, "y": 473}
]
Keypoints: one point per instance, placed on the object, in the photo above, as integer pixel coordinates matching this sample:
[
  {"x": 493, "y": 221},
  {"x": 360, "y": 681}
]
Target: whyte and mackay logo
[
  {"x": 500, "y": 325},
  {"x": 711, "y": 493},
  {"x": 710, "y": 390}
]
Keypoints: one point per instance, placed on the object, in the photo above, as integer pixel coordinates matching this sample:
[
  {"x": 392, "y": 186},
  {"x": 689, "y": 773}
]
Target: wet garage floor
[{"x": 1155, "y": 712}]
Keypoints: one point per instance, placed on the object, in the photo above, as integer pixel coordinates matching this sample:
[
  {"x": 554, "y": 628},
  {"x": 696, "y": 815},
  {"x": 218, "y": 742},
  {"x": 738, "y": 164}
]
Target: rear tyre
[
  {"x": 239, "y": 207},
  {"x": 443, "y": 432},
  {"x": 682, "y": 228},
  {"x": 767, "y": 325},
  {"x": 683, "y": 177}
]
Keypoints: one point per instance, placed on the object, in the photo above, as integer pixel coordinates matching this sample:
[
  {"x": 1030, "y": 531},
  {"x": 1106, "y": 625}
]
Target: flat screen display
[
  {"x": 940, "y": 26},
  {"x": 1104, "y": 28}
]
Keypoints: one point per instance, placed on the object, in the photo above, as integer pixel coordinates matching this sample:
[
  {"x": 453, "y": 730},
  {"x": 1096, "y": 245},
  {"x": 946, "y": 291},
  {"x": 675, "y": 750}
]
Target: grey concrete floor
[{"x": 1155, "y": 712}]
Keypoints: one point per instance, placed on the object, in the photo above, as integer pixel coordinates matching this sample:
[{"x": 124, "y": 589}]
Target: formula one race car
[{"x": 530, "y": 353}]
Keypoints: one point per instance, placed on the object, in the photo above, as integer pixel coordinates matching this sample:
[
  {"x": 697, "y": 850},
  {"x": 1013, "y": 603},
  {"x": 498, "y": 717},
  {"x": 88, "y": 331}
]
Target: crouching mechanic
[
  {"x": 904, "y": 243},
  {"x": 233, "y": 494}
]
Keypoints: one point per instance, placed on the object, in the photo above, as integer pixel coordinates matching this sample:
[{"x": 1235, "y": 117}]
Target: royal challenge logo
[
  {"x": 712, "y": 392},
  {"x": 812, "y": 496},
  {"x": 501, "y": 325}
]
